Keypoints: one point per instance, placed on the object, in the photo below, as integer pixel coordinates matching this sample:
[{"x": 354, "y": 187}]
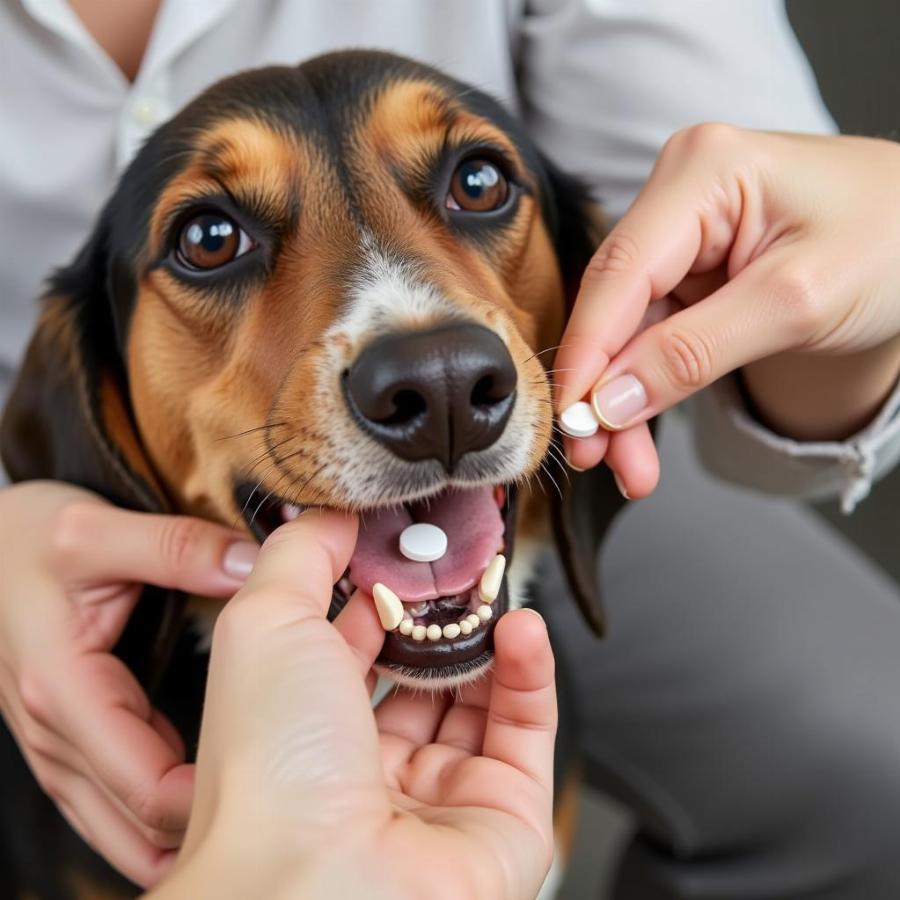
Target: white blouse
[{"x": 600, "y": 83}]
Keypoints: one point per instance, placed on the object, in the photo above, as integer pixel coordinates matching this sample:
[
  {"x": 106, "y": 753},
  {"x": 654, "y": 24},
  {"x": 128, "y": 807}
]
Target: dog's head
[{"x": 336, "y": 285}]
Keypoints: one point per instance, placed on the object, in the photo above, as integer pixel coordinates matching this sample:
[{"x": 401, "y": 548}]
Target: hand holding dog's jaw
[{"x": 295, "y": 771}]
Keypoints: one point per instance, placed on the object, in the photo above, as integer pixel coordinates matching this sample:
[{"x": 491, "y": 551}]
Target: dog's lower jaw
[{"x": 519, "y": 577}]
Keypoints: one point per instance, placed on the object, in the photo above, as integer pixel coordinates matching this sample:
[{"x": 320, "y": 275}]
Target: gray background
[{"x": 854, "y": 46}]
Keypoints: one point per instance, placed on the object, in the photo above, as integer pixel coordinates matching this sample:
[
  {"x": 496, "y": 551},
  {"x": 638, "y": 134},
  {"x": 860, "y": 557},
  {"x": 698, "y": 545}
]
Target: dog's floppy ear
[
  {"x": 68, "y": 418},
  {"x": 586, "y": 502}
]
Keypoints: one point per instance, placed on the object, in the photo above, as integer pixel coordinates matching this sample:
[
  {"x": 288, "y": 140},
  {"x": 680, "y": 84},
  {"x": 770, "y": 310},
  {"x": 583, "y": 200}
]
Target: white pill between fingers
[
  {"x": 579, "y": 420},
  {"x": 423, "y": 542}
]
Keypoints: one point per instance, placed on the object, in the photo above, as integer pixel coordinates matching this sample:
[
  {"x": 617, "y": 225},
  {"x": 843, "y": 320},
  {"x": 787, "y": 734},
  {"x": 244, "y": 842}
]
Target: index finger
[{"x": 672, "y": 227}]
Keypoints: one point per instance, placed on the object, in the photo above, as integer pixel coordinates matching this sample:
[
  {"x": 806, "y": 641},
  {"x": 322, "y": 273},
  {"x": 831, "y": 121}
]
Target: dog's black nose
[{"x": 434, "y": 394}]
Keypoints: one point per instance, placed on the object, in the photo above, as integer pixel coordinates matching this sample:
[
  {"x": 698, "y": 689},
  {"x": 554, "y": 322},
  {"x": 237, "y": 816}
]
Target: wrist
[
  {"x": 818, "y": 397},
  {"x": 234, "y": 866}
]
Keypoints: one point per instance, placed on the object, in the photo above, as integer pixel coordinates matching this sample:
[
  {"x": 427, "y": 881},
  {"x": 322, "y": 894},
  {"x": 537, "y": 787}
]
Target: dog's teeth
[
  {"x": 451, "y": 631},
  {"x": 465, "y": 626},
  {"x": 419, "y": 609},
  {"x": 289, "y": 512},
  {"x": 388, "y": 605},
  {"x": 433, "y": 632},
  {"x": 418, "y": 633},
  {"x": 489, "y": 586},
  {"x": 484, "y": 612},
  {"x": 406, "y": 627},
  {"x": 473, "y": 620}
]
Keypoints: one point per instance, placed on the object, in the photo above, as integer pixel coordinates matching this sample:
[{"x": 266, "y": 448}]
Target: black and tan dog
[{"x": 336, "y": 285}]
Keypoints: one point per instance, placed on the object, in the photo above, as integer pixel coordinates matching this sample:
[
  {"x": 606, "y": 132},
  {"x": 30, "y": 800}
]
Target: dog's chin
[{"x": 424, "y": 663}]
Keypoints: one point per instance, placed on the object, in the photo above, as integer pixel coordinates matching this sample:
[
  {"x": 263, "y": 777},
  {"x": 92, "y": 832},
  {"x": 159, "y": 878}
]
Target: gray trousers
[{"x": 746, "y": 704}]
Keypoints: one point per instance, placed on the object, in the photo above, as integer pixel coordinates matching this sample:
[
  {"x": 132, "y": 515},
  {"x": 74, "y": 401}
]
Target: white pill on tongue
[
  {"x": 423, "y": 542},
  {"x": 579, "y": 420}
]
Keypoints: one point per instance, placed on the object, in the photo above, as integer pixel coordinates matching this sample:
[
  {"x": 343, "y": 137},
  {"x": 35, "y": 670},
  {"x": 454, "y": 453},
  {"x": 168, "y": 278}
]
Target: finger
[
  {"x": 306, "y": 558},
  {"x": 114, "y": 838},
  {"x": 635, "y": 463},
  {"x": 360, "y": 627},
  {"x": 103, "y": 712},
  {"x": 412, "y": 716},
  {"x": 585, "y": 453},
  {"x": 646, "y": 255},
  {"x": 167, "y": 731},
  {"x": 521, "y": 723},
  {"x": 748, "y": 318},
  {"x": 105, "y": 544},
  {"x": 464, "y": 723}
]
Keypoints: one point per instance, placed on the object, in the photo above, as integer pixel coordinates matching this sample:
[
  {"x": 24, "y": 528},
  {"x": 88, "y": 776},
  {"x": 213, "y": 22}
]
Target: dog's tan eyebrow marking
[
  {"x": 412, "y": 122},
  {"x": 259, "y": 167}
]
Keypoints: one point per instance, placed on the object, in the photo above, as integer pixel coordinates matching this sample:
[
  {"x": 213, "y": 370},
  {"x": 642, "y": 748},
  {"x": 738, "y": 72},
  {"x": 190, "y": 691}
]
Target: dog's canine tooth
[
  {"x": 465, "y": 626},
  {"x": 489, "y": 586},
  {"x": 451, "y": 630},
  {"x": 418, "y": 632},
  {"x": 406, "y": 627},
  {"x": 433, "y": 632},
  {"x": 484, "y": 612},
  {"x": 388, "y": 605}
]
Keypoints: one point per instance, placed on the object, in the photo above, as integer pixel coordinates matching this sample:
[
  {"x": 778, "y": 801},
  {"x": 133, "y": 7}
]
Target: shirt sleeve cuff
[{"x": 734, "y": 445}]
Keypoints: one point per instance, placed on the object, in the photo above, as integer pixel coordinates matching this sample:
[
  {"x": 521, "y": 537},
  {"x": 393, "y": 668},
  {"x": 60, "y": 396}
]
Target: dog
[{"x": 340, "y": 285}]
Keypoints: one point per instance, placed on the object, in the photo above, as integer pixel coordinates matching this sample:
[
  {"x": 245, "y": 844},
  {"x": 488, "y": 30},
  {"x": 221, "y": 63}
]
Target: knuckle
[
  {"x": 70, "y": 527},
  {"x": 687, "y": 357},
  {"x": 50, "y": 781},
  {"x": 703, "y": 139},
  {"x": 35, "y": 697},
  {"x": 145, "y": 805},
  {"x": 795, "y": 294},
  {"x": 618, "y": 254},
  {"x": 179, "y": 539}
]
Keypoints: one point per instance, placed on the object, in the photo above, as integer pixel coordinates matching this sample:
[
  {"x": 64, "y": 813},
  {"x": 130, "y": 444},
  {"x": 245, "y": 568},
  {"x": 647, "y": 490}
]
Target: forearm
[{"x": 811, "y": 397}]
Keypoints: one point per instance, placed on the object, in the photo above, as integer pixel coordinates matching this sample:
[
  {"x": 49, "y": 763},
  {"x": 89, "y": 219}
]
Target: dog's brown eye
[
  {"x": 477, "y": 186},
  {"x": 209, "y": 240}
]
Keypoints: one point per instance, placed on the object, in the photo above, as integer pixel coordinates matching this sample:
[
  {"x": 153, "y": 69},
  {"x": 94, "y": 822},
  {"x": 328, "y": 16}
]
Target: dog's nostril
[
  {"x": 408, "y": 406},
  {"x": 489, "y": 391}
]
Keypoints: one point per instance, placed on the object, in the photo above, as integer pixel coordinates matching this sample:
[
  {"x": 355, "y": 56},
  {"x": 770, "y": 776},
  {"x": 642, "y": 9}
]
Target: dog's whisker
[
  {"x": 539, "y": 353},
  {"x": 548, "y": 473},
  {"x": 265, "y": 427}
]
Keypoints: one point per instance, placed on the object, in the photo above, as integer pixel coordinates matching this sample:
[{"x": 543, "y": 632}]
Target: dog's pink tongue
[{"x": 474, "y": 528}]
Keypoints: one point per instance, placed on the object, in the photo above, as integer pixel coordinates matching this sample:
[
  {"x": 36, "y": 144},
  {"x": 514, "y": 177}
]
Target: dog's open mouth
[{"x": 449, "y": 607}]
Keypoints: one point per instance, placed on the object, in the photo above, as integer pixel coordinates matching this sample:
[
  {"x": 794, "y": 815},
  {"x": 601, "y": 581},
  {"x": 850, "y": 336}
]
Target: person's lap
[{"x": 746, "y": 703}]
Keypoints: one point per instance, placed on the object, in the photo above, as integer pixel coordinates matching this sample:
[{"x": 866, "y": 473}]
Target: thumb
[
  {"x": 287, "y": 712},
  {"x": 750, "y": 317}
]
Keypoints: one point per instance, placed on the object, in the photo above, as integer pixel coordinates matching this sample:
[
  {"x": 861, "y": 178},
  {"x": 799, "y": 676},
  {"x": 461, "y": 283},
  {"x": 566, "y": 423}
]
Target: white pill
[
  {"x": 423, "y": 542},
  {"x": 579, "y": 420}
]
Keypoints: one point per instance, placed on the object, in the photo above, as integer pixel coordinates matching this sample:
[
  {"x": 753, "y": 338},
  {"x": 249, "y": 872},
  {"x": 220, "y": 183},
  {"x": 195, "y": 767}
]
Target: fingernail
[
  {"x": 621, "y": 487},
  {"x": 617, "y": 402},
  {"x": 239, "y": 559},
  {"x": 534, "y": 612}
]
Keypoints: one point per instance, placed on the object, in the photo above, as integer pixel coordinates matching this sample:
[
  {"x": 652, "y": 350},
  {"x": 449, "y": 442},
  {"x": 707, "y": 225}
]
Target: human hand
[
  {"x": 71, "y": 570},
  {"x": 302, "y": 791},
  {"x": 773, "y": 252}
]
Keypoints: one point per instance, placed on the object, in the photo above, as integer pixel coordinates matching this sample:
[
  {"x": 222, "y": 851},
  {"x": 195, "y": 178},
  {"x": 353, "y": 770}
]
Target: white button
[
  {"x": 423, "y": 542},
  {"x": 579, "y": 420},
  {"x": 146, "y": 113}
]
